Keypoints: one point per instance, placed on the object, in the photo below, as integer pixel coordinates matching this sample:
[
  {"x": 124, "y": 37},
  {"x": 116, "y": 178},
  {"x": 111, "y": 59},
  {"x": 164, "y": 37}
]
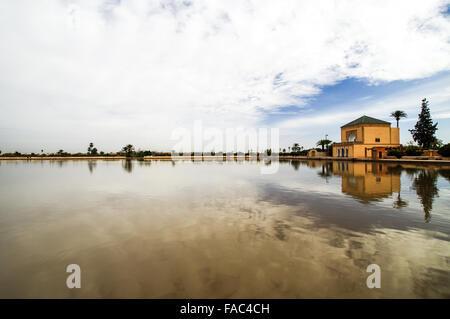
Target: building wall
[
  {"x": 348, "y": 129},
  {"x": 315, "y": 153},
  {"x": 367, "y": 133},
  {"x": 360, "y": 150},
  {"x": 373, "y": 131},
  {"x": 395, "y": 135},
  {"x": 350, "y": 149}
]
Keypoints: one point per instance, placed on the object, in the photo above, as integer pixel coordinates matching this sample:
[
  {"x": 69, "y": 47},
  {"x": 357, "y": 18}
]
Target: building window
[
  {"x": 338, "y": 152},
  {"x": 351, "y": 137},
  {"x": 377, "y": 139},
  {"x": 346, "y": 152},
  {"x": 342, "y": 152}
]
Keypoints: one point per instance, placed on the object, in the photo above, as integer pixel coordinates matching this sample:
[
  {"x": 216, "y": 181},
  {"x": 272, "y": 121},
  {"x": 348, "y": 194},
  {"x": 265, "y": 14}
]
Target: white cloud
[{"x": 131, "y": 71}]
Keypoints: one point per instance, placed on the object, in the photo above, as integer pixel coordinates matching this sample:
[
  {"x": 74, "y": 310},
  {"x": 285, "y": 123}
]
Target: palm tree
[
  {"x": 128, "y": 150},
  {"x": 89, "y": 150},
  {"x": 323, "y": 143},
  {"x": 296, "y": 147},
  {"x": 398, "y": 115}
]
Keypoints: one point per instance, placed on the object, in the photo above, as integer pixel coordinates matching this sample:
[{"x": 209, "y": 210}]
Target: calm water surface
[{"x": 166, "y": 229}]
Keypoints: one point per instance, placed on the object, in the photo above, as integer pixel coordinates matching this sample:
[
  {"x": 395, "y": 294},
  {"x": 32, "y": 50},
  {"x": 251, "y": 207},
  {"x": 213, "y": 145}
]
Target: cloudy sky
[{"x": 117, "y": 72}]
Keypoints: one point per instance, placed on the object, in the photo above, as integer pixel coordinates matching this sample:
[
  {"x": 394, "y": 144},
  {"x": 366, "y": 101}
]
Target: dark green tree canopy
[
  {"x": 323, "y": 143},
  {"x": 424, "y": 130},
  {"x": 128, "y": 149},
  {"x": 296, "y": 147}
]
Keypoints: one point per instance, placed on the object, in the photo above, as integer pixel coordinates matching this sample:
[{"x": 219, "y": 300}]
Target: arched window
[
  {"x": 351, "y": 137},
  {"x": 342, "y": 152},
  {"x": 346, "y": 152},
  {"x": 339, "y": 152}
]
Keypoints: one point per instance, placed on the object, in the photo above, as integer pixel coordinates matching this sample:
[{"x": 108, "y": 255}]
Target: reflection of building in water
[{"x": 367, "y": 181}]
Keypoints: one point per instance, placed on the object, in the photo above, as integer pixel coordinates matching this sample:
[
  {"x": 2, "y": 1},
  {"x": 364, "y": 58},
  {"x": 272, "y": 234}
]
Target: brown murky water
[{"x": 222, "y": 230}]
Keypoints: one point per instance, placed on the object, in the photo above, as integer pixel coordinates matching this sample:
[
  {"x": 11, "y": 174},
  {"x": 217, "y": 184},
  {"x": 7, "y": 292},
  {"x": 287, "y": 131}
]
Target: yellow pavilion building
[{"x": 366, "y": 137}]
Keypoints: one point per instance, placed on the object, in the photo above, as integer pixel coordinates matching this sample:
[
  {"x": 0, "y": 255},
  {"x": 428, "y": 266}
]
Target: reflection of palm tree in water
[
  {"x": 327, "y": 171},
  {"x": 400, "y": 203},
  {"x": 91, "y": 166},
  {"x": 425, "y": 186},
  {"x": 296, "y": 164},
  {"x": 397, "y": 170},
  {"x": 127, "y": 165}
]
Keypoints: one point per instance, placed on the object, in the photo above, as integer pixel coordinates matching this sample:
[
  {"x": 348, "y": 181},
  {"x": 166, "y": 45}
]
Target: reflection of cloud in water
[
  {"x": 216, "y": 231},
  {"x": 218, "y": 248}
]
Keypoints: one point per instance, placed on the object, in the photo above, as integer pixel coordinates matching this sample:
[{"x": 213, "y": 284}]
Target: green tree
[
  {"x": 94, "y": 151},
  {"x": 128, "y": 150},
  {"x": 436, "y": 144},
  {"x": 323, "y": 143},
  {"x": 296, "y": 147},
  {"x": 445, "y": 150},
  {"x": 91, "y": 146},
  {"x": 424, "y": 130},
  {"x": 398, "y": 115}
]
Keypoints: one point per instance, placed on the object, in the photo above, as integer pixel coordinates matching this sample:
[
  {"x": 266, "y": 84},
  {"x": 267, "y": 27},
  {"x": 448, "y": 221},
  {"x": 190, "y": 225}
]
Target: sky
[{"x": 119, "y": 72}]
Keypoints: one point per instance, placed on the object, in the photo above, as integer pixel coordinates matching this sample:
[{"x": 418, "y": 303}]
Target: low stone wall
[{"x": 421, "y": 157}]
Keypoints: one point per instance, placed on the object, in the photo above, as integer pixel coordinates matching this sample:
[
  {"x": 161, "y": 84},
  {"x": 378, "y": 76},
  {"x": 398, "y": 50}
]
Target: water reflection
[
  {"x": 91, "y": 165},
  {"x": 367, "y": 181},
  {"x": 373, "y": 182},
  {"x": 399, "y": 203},
  {"x": 326, "y": 171},
  {"x": 445, "y": 173},
  {"x": 127, "y": 165},
  {"x": 425, "y": 186},
  {"x": 221, "y": 229}
]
